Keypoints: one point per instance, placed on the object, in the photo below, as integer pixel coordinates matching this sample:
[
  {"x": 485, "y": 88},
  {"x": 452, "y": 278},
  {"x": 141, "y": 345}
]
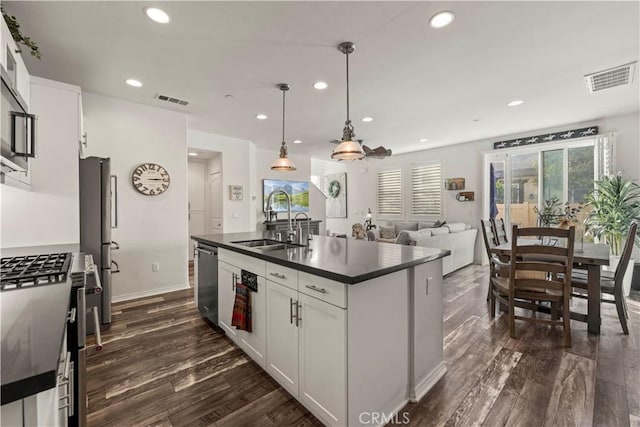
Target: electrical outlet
[{"x": 155, "y": 267}]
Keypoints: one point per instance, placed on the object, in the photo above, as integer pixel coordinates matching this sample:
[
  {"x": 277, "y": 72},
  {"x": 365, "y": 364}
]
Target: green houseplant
[{"x": 614, "y": 203}]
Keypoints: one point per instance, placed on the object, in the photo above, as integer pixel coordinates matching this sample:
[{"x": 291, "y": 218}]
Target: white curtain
[{"x": 604, "y": 155}]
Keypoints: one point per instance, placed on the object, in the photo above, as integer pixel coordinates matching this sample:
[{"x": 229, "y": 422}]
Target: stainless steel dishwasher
[{"x": 207, "y": 259}]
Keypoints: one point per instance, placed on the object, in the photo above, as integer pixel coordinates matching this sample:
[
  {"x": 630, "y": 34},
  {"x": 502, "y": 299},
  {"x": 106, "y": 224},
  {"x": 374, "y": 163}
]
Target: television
[{"x": 298, "y": 190}]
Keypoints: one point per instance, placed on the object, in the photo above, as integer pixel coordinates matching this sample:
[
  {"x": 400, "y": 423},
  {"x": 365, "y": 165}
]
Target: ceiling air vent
[
  {"x": 617, "y": 76},
  {"x": 171, "y": 99}
]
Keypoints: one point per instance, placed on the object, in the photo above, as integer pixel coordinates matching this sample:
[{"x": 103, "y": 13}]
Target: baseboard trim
[
  {"x": 423, "y": 387},
  {"x": 152, "y": 292}
]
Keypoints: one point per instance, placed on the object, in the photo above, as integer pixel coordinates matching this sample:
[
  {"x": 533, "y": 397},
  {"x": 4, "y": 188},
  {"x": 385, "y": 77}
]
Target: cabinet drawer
[
  {"x": 244, "y": 262},
  {"x": 323, "y": 289},
  {"x": 284, "y": 275}
]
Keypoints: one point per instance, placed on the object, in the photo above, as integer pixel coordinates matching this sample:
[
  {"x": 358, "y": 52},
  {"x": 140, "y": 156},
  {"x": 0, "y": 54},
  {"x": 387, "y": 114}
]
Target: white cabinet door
[
  {"x": 323, "y": 359},
  {"x": 23, "y": 82},
  {"x": 282, "y": 336},
  {"x": 227, "y": 276},
  {"x": 254, "y": 343}
]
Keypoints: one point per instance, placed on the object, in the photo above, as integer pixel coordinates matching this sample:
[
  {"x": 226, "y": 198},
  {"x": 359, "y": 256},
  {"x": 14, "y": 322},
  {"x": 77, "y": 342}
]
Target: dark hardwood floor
[{"x": 163, "y": 365}]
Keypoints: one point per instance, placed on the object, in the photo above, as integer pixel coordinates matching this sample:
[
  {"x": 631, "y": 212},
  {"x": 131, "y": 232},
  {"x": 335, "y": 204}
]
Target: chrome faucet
[
  {"x": 299, "y": 229},
  {"x": 290, "y": 232}
]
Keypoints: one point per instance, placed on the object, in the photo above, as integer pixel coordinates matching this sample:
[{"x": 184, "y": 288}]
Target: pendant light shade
[
  {"x": 349, "y": 148},
  {"x": 283, "y": 163}
]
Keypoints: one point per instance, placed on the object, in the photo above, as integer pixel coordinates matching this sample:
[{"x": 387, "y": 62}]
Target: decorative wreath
[{"x": 334, "y": 188}]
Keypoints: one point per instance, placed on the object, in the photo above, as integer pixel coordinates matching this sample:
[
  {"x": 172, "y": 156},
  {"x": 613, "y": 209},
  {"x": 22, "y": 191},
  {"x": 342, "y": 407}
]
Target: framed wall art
[{"x": 335, "y": 186}]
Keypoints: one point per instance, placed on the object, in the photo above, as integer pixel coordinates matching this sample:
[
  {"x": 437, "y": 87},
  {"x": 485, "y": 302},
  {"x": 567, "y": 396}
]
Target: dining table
[{"x": 586, "y": 256}]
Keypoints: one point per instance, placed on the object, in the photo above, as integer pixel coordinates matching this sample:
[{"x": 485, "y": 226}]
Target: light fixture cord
[
  {"x": 347, "y": 53},
  {"x": 283, "y": 96}
]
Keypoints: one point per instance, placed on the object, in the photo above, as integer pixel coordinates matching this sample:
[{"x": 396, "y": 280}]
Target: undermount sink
[{"x": 267, "y": 244}]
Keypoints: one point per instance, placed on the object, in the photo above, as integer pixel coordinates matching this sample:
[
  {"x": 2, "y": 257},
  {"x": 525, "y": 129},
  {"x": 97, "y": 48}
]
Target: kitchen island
[{"x": 351, "y": 328}]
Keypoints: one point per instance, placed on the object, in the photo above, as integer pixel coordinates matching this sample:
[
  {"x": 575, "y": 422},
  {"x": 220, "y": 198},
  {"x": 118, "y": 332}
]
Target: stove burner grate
[{"x": 33, "y": 270}]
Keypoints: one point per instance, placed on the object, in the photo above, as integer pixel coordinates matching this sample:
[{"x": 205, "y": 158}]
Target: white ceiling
[{"x": 416, "y": 81}]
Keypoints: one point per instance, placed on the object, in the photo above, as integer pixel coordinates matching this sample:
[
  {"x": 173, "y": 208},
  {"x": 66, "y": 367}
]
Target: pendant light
[
  {"x": 283, "y": 163},
  {"x": 349, "y": 148}
]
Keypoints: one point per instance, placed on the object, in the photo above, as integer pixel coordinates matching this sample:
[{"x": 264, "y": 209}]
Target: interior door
[
  {"x": 215, "y": 203},
  {"x": 197, "y": 206}
]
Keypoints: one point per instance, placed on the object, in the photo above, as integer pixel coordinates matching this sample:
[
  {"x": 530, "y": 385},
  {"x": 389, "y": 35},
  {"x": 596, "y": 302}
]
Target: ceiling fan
[{"x": 376, "y": 153}]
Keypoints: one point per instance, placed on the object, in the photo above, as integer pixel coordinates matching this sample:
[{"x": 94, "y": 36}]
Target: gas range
[{"x": 34, "y": 270}]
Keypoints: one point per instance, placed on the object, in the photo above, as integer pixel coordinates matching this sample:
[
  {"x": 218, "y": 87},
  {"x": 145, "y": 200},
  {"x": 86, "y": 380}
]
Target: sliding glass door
[{"x": 520, "y": 180}]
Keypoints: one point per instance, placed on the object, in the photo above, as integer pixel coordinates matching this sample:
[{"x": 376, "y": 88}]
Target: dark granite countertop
[
  {"x": 344, "y": 260},
  {"x": 32, "y": 325}
]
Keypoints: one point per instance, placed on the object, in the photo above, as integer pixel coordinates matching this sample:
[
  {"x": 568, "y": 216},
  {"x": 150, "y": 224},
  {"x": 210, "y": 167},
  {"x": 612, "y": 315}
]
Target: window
[
  {"x": 390, "y": 193},
  {"x": 426, "y": 191}
]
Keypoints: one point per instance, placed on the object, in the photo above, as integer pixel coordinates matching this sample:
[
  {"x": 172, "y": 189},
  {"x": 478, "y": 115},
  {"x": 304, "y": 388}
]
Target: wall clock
[{"x": 150, "y": 179}]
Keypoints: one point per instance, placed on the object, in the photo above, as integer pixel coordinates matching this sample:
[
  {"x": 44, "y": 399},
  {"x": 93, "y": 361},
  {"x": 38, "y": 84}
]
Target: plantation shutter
[
  {"x": 390, "y": 193},
  {"x": 426, "y": 190}
]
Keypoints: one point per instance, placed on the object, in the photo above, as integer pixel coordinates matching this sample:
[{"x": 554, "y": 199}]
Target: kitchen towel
[{"x": 241, "y": 317}]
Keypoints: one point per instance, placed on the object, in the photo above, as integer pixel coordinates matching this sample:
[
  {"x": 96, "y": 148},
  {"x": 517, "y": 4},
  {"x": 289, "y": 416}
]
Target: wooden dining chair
[
  {"x": 610, "y": 283},
  {"x": 496, "y": 266},
  {"x": 499, "y": 231},
  {"x": 538, "y": 273}
]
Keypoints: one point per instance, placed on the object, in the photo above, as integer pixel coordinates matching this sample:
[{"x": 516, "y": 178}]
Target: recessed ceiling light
[
  {"x": 261, "y": 116},
  {"x": 476, "y": 120},
  {"x": 297, "y": 141},
  {"x": 320, "y": 85},
  {"x": 133, "y": 82},
  {"x": 228, "y": 96},
  {"x": 441, "y": 19},
  {"x": 367, "y": 119},
  {"x": 157, "y": 15},
  {"x": 423, "y": 140},
  {"x": 515, "y": 103},
  {"x": 193, "y": 154}
]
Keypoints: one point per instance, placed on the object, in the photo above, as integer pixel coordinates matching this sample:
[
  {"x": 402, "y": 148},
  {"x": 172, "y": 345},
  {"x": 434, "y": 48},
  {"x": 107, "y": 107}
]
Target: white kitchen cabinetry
[
  {"x": 227, "y": 275},
  {"x": 282, "y": 336},
  {"x": 13, "y": 65},
  {"x": 323, "y": 359},
  {"x": 254, "y": 343}
]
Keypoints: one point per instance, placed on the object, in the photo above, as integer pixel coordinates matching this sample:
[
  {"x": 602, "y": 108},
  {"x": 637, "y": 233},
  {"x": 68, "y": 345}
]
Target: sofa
[{"x": 459, "y": 238}]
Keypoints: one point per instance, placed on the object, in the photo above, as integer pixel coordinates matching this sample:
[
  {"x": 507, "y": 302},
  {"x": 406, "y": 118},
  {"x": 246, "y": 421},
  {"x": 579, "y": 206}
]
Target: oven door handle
[
  {"x": 96, "y": 321},
  {"x": 98, "y": 287}
]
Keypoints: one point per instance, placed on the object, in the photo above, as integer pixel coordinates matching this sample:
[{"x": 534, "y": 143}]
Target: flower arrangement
[{"x": 554, "y": 213}]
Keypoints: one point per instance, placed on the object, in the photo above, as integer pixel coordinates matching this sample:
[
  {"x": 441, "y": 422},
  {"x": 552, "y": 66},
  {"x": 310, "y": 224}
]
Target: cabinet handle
[
  {"x": 291, "y": 315},
  {"x": 298, "y": 316},
  {"x": 313, "y": 288},
  {"x": 233, "y": 281},
  {"x": 279, "y": 276},
  {"x": 71, "y": 317}
]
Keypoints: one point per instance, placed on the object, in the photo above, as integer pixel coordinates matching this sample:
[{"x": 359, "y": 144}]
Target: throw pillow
[
  {"x": 439, "y": 231},
  {"x": 426, "y": 224},
  {"x": 456, "y": 227},
  {"x": 403, "y": 238},
  {"x": 409, "y": 226},
  {"x": 387, "y": 232}
]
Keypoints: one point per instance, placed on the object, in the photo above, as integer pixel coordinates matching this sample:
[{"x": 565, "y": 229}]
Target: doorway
[{"x": 204, "y": 195}]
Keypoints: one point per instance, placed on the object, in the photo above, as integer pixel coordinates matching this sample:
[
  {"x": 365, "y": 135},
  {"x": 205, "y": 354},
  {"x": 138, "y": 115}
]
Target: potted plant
[{"x": 615, "y": 203}]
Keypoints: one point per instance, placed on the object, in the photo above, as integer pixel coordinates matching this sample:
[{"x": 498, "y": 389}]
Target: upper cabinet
[{"x": 14, "y": 72}]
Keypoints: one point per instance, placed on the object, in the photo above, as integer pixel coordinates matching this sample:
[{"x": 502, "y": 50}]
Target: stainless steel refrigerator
[{"x": 96, "y": 203}]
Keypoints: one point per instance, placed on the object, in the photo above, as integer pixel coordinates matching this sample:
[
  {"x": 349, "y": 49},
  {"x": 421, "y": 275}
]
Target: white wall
[
  {"x": 49, "y": 213},
  {"x": 264, "y": 159},
  {"x": 151, "y": 228},
  {"x": 238, "y": 216},
  {"x": 466, "y": 160}
]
